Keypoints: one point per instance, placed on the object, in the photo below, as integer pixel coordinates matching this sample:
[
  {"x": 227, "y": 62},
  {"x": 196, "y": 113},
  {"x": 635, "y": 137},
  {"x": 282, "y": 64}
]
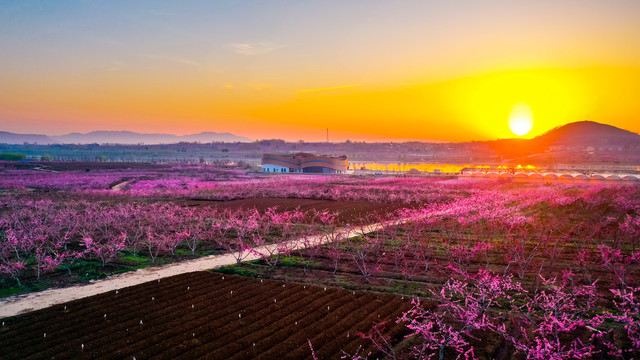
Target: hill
[
  {"x": 129, "y": 137},
  {"x": 11, "y": 138},
  {"x": 587, "y": 133},
  {"x": 574, "y": 137}
]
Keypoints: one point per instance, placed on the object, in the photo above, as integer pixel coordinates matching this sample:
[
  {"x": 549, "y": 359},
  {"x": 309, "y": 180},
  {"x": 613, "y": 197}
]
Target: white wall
[{"x": 274, "y": 168}]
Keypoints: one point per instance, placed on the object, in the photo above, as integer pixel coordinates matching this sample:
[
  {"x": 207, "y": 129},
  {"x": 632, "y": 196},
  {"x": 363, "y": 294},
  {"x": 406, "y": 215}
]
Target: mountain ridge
[
  {"x": 12, "y": 138},
  {"x": 123, "y": 137},
  {"x": 575, "y": 134}
]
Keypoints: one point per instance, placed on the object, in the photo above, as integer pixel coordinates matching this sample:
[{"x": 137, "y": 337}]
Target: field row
[{"x": 200, "y": 315}]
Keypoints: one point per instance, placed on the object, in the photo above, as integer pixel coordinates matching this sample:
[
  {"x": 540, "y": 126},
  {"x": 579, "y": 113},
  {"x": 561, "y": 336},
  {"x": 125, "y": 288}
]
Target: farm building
[{"x": 304, "y": 163}]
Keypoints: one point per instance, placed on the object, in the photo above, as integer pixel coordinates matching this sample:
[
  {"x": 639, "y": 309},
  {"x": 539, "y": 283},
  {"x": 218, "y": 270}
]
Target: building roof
[{"x": 300, "y": 161}]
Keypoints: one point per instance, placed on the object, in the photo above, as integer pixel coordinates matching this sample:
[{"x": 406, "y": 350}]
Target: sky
[{"x": 364, "y": 69}]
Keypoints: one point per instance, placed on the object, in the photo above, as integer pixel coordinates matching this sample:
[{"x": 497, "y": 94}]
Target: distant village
[{"x": 580, "y": 146}]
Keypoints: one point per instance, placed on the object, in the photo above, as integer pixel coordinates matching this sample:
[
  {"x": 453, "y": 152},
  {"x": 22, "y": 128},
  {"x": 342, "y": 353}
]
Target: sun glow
[{"x": 521, "y": 119}]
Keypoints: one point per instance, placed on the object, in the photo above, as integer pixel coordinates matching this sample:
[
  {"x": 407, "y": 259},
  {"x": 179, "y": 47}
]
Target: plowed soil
[
  {"x": 356, "y": 211},
  {"x": 203, "y": 315}
]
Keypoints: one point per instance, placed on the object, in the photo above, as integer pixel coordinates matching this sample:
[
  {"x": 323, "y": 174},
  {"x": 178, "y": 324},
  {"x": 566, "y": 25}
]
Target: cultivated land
[
  {"x": 487, "y": 269},
  {"x": 199, "y": 315}
]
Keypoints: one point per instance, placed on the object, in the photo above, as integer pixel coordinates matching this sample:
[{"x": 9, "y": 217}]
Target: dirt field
[
  {"x": 202, "y": 315},
  {"x": 348, "y": 211}
]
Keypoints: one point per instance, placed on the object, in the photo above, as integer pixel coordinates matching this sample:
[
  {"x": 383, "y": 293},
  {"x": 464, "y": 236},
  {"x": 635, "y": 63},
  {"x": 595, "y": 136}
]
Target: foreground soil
[{"x": 204, "y": 315}]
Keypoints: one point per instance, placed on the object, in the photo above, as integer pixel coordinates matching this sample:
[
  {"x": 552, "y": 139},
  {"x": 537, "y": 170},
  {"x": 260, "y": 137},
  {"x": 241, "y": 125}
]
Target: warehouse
[{"x": 304, "y": 163}]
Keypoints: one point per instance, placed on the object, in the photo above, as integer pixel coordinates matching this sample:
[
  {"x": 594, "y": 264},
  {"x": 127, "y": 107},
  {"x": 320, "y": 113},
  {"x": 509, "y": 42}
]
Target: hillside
[
  {"x": 11, "y": 138},
  {"x": 129, "y": 137},
  {"x": 118, "y": 137},
  {"x": 572, "y": 138},
  {"x": 587, "y": 133}
]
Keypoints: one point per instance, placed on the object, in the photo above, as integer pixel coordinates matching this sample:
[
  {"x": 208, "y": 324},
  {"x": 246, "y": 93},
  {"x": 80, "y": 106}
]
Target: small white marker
[
  {"x": 45, "y": 334},
  {"x": 140, "y": 322}
]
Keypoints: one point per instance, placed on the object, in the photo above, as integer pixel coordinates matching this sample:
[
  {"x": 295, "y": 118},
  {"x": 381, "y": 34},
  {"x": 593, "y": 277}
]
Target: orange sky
[{"x": 366, "y": 70}]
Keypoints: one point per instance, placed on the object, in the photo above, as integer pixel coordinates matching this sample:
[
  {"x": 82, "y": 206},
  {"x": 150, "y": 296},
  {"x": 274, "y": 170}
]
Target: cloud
[
  {"x": 251, "y": 49},
  {"x": 329, "y": 88}
]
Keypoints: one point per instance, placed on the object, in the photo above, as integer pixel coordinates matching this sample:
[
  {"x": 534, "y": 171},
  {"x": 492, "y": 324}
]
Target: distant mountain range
[
  {"x": 11, "y": 138},
  {"x": 118, "y": 137},
  {"x": 573, "y": 135}
]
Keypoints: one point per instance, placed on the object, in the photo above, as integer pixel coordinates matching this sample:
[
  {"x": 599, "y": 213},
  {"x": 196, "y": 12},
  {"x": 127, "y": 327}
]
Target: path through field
[{"x": 20, "y": 304}]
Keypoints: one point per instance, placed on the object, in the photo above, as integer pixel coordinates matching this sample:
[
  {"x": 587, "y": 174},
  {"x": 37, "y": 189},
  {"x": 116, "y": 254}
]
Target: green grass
[
  {"x": 138, "y": 262},
  {"x": 291, "y": 261},
  {"x": 237, "y": 270},
  {"x": 345, "y": 283},
  {"x": 14, "y": 290}
]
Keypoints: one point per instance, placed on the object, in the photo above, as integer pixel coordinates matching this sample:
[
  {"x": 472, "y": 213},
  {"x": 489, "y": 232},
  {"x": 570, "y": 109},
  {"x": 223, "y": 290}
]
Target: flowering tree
[
  {"x": 618, "y": 263},
  {"x": 197, "y": 224},
  {"x": 283, "y": 222},
  {"x": 463, "y": 307},
  {"x": 244, "y": 224},
  {"x": 13, "y": 269},
  {"x": 106, "y": 251},
  {"x": 556, "y": 310},
  {"x": 627, "y": 304},
  {"x": 363, "y": 250},
  {"x": 312, "y": 248},
  {"x": 631, "y": 230},
  {"x": 435, "y": 332}
]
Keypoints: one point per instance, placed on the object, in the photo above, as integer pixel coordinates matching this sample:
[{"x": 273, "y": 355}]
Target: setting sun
[{"x": 521, "y": 119}]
